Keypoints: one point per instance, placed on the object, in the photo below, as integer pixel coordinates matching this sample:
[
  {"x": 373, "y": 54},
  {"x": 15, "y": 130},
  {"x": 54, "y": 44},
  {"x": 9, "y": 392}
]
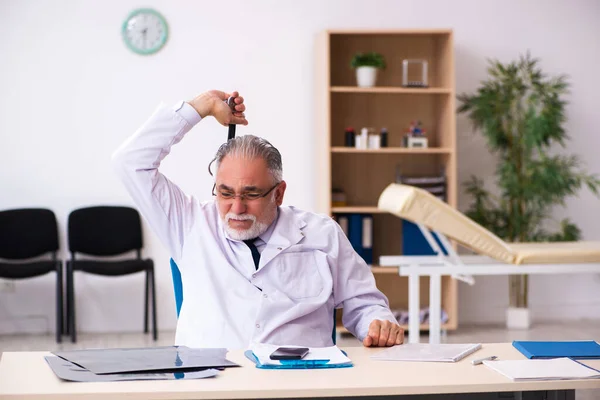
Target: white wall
[{"x": 70, "y": 93}]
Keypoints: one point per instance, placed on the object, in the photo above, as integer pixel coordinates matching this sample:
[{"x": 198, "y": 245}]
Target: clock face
[{"x": 145, "y": 31}]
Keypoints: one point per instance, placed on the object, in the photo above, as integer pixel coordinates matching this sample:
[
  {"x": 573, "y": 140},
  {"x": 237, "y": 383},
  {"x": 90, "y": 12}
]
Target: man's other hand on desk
[{"x": 384, "y": 333}]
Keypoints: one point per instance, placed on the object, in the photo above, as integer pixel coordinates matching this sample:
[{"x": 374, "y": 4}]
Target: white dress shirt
[{"x": 307, "y": 265}]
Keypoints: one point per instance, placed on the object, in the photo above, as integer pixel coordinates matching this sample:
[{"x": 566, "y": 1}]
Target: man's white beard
[{"x": 256, "y": 229}]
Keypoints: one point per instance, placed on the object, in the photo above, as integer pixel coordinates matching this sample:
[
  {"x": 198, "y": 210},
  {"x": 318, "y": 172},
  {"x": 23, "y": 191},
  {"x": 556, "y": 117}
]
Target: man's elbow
[{"x": 118, "y": 162}]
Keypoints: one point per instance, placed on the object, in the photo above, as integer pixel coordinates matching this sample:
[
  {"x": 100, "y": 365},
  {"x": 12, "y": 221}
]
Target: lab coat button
[
  {"x": 265, "y": 295},
  {"x": 279, "y": 248},
  {"x": 254, "y": 275},
  {"x": 257, "y": 326}
]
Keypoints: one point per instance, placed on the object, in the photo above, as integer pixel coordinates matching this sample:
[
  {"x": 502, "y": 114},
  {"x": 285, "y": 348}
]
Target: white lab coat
[{"x": 307, "y": 267}]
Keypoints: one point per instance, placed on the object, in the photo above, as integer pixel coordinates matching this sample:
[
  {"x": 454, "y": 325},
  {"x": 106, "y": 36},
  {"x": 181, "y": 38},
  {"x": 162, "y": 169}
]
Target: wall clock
[{"x": 145, "y": 31}]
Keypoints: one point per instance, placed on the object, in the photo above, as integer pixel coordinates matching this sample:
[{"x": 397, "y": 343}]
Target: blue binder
[
  {"x": 577, "y": 349},
  {"x": 355, "y": 233}
]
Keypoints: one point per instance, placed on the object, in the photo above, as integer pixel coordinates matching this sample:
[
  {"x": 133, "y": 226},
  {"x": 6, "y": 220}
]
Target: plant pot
[
  {"x": 518, "y": 318},
  {"x": 366, "y": 76}
]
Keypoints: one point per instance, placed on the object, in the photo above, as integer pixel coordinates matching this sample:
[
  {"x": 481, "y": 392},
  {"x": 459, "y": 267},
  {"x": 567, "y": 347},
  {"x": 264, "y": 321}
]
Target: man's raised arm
[{"x": 166, "y": 208}]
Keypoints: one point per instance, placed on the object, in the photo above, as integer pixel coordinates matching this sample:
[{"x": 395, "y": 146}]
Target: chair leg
[
  {"x": 71, "y": 291},
  {"x": 59, "y": 302},
  {"x": 147, "y": 289},
  {"x": 67, "y": 317},
  {"x": 154, "y": 323}
]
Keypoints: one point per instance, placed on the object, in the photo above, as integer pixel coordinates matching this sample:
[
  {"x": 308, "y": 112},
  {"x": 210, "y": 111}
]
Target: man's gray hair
[{"x": 252, "y": 147}]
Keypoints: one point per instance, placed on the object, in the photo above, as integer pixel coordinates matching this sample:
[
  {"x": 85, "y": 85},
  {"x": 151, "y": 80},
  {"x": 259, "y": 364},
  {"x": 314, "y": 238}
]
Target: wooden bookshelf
[{"x": 363, "y": 173}]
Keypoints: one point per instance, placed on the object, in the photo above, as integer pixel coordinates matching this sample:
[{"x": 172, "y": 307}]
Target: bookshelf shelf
[
  {"x": 389, "y": 90},
  {"x": 362, "y": 174},
  {"x": 358, "y": 210},
  {"x": 393, "y": 150},
  {"x": 384, "y": 270}
]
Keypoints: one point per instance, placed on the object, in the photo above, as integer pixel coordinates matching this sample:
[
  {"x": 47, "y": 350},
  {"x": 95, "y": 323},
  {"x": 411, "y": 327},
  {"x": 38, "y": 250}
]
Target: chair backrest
[
  {"x": 27, "y": 233},
  {"x": 178, "y": 289},
  {"x": 104, "y": 230}
]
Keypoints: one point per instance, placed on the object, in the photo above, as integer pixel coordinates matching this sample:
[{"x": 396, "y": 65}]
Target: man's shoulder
[
  {"x": 310, "y": 218},
  {"x": 204, "y": 209}
]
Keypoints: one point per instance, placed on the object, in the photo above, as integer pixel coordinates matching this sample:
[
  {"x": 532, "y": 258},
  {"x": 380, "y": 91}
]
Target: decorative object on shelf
[
  {"x": 434, "y": 184},
  {"x": 361, "y": 141},
  {"x": 521, "y": 112},
  {"x": 145, "y": 31},
  {"x": 415, "y": 136},
  {"x": 374, "y": 139},
  {"x": 349, "y": 138},
  {"x": 384, "y": 137},
  {"x": 367, "y": 65},
  {"x": 411, "y": 76},
  {"x": 338, "y": 197},
  {"x": 367, "y": 139}
]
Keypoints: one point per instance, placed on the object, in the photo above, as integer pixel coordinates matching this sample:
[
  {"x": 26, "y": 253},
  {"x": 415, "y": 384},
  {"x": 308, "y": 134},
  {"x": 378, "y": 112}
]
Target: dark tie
[{"x": 254, "y": 250}]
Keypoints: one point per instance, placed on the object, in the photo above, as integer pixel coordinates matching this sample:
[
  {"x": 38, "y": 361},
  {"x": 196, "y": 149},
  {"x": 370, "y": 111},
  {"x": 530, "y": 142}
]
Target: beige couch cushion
[
  {"x": 556, "y": 253},
  {"x": 419, "y": 206}
]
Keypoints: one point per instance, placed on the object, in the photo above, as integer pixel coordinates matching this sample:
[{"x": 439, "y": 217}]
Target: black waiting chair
[
  {"x": 28, "y": 248},
  {"x": 102, "y": 232}
]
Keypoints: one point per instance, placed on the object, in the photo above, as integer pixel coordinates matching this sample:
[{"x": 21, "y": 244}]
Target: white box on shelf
[{"x": 416, "y": 141}]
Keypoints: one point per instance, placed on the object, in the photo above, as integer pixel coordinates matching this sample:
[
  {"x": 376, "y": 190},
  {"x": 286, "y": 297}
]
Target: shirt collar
[{"x": 267, "y": 234}]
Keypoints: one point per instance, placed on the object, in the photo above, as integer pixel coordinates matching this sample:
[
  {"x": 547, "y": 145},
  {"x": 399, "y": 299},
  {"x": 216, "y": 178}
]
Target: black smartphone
[{"x": 289, "y": 353}]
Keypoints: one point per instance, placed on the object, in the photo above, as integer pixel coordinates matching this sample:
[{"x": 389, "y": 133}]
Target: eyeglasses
[{"x": 248, "y": 196}]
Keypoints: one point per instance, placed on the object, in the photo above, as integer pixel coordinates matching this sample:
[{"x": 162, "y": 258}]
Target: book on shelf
[{"x": 359, "y": 230}]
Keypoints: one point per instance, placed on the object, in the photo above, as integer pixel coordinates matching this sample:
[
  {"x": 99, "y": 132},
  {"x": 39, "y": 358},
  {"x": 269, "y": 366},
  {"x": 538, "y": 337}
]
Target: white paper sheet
[{"x": 545, "y": 369}]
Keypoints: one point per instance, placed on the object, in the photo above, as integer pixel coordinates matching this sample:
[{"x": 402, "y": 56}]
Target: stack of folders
[
  {"x": 549, "y": 361},
  {"x": 427, "y": 352},
  {"x": 317, "y": 357}
]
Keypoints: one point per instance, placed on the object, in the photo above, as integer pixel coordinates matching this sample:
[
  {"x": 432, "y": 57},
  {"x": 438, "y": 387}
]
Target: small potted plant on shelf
[{"x": 367, "y": 65}]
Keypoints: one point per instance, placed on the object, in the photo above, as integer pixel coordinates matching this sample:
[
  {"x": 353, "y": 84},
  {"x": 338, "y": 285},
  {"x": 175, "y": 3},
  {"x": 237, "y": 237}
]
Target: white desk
[
  {"x": 414, "y": 267},
  {"x": 26, "y": 375}
]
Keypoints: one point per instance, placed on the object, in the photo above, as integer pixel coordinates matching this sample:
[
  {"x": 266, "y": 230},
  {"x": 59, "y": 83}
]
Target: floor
[{"x": 580, "y": 330}]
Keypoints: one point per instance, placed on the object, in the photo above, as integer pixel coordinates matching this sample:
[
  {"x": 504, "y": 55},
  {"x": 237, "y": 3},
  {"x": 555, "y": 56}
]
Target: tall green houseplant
[{"x": 521, "y": 113}]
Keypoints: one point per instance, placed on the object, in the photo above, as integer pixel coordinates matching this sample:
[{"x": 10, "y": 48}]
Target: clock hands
[{"x": 145, "y": 32}]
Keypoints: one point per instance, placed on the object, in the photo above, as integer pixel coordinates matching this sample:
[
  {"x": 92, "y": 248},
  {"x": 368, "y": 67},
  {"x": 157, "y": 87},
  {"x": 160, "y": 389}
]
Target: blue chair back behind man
[
  {"x": 177, "y": 286},
  {"x": 178, "y": 289}
]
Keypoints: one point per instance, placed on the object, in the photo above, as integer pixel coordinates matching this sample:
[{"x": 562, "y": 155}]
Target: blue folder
[{"x": 577, "y": 349}]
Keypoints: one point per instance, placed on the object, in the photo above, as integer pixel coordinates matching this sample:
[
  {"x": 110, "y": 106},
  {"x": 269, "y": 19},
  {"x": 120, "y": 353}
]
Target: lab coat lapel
[{"x": 287, "y": 232}]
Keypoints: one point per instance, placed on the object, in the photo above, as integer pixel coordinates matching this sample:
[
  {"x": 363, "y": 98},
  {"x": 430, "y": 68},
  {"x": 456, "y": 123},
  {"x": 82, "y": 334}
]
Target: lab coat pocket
[{"x": 298, "y": 276}]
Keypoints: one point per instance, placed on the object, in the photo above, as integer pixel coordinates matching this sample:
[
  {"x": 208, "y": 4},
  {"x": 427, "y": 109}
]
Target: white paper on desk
[
  {"x": 333, "y": 354},
  {"x": 542, "y": 369},
  {"x": 427, "y": 352}
]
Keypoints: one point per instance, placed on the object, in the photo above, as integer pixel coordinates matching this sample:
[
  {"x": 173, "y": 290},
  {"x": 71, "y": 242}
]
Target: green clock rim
[{"x": 163, "y": 38}]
